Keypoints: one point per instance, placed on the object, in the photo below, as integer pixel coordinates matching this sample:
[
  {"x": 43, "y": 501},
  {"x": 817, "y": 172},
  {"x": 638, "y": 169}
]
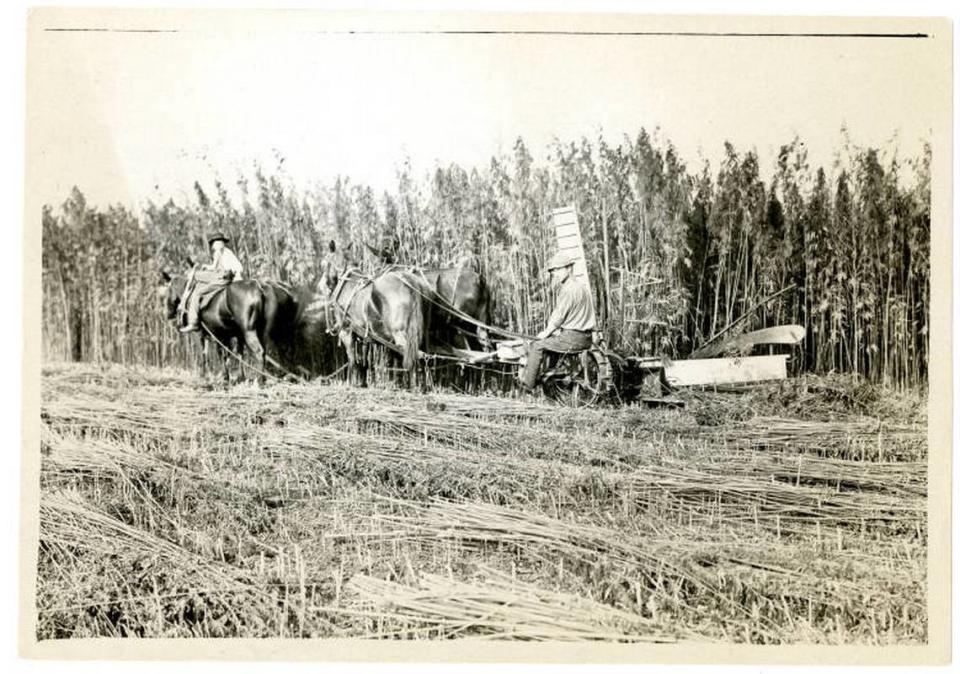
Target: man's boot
[{"x": 193, "y": 316}]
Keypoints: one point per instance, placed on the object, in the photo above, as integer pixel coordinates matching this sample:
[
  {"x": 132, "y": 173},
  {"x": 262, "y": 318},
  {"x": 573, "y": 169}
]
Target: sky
[{"x": 134, "y": 116}]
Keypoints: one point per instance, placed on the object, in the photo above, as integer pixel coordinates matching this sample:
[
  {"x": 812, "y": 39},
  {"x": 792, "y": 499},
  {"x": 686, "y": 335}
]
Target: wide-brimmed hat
[
  {"x": 559, "y": 261},
  {"x": 219, "y": 236}
]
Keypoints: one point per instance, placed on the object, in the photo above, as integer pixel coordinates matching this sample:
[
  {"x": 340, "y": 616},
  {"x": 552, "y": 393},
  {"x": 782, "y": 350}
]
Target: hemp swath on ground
[{"x": 306, "y": 510}]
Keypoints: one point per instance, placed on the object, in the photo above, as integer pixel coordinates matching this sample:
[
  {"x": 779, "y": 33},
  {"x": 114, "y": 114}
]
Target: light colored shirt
[
  {"x": 574, "y": 308},
  {"x": 225, "y": 260}
]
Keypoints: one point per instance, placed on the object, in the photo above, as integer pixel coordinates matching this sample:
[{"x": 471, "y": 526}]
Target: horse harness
[{"x": 342, "y": 311}]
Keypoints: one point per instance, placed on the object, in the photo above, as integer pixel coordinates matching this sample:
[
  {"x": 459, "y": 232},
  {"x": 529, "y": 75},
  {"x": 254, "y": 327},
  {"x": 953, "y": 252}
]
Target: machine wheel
[{"x": 577, "y": 379}]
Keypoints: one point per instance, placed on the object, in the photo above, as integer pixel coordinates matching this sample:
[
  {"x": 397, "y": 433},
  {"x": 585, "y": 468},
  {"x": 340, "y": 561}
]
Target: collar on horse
[{"x": 342, "y": 311}]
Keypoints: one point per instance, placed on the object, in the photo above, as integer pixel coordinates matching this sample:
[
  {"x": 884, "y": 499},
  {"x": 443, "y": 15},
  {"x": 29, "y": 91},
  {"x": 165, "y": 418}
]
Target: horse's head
[
  {"x": 387, "y": 252},
  {"x": 170, "y": 291},
  {"x": 334, "y": 265}
]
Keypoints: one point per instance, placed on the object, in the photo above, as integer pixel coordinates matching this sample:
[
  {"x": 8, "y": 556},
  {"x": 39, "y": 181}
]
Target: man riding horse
[
  {"x": 260, "y": 316},
  {"x": 225, "y": 267},
  {"x": 571, "y": 325}
]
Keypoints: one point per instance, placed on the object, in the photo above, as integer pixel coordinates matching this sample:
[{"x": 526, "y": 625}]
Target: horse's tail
[{"x": 414, "y": 331}]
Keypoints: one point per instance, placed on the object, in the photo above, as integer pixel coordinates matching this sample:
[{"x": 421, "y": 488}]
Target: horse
[
  {"x": 301, "y": 339},
  {"x": 246, "y": 311},
  {"x": 460, "y": 286},
  {"x": 466, "y": 291},
  {"x": 390, "y": 308}
]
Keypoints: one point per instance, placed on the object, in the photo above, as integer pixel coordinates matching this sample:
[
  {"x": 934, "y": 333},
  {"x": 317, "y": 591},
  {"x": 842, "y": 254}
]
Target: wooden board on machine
[
  {"x": 707, "y": 371},
  {"x": 722, "y": 371},
  {"x": 569, "y": 241}
]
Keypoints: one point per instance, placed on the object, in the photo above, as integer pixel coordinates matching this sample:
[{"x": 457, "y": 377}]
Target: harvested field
[{"x": 794, "y": 513}]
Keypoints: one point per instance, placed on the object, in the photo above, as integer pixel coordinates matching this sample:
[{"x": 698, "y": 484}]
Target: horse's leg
[
  {"x": 462, "y": 339},
  {"x": 241, "y": 375},
  {"x": 361, "y": 356},
  {"x": 252, "y": 340},
  {"x": 263, "y": 337},
  {"x": 346, "y": 347},
  {"x": 346, "y": 339},
  {"x": 361, "y": 362},
  {"x": 394, "y": 362},
  {"x": 225, "y": 360},
  {"x": 204, "y": 354},
  {"x": 409, "y": 377}
]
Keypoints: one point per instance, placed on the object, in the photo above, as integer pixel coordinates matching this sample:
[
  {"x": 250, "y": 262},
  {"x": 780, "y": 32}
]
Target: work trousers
[
  {"x": 193, "y": 307},
  {"x": 198, "y": 283},
  {"x": 562, "y": 342}
]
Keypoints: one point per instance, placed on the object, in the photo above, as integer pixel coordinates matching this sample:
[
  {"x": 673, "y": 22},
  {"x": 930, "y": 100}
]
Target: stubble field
[{"x": 794, "y": 512}]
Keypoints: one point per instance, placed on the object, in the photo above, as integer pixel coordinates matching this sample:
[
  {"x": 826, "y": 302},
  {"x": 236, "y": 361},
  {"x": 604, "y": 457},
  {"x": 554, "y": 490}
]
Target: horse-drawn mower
[{"x": 587, "y": 377}]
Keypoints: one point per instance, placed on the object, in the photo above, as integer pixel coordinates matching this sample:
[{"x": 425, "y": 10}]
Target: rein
[
  {"x": 252, "y": 367},
  {"x": 271, "y": 360},
  {"x": 444, "y": 304}
]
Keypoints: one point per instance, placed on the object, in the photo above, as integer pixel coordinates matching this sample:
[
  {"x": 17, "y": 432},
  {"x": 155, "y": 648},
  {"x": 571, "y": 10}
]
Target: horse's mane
[{"x": 178, "y": 283}]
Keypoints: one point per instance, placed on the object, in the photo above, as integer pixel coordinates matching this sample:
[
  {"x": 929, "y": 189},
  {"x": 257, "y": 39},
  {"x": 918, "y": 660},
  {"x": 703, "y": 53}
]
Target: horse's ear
[
  {"x": 332, "y": 246},
  {"x": 189, "y": 262},
  {"x": 164, "y": 276},
  {"x": 374, "y": 250}
]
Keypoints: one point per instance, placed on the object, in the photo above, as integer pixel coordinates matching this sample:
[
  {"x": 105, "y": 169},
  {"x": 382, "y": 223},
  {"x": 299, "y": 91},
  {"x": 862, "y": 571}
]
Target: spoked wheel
[{"x": 576, "y": 379}]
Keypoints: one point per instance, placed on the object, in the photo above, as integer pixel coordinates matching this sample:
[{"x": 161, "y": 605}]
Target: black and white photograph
[{"x": 492, "y": 335}]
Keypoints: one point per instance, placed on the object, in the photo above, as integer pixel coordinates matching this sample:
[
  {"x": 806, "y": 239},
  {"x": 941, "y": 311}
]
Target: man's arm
[
  {"x": 559, "y": 314},
  {"x": 232, "y": 264},
  {"x": 546, "y": 332},
  {"x": 215, "y": 264}
]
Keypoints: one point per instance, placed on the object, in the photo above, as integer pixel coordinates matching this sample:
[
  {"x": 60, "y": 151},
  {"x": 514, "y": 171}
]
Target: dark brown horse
[
  {"x": 301, "y": 338},
  {"x": 246, "y": 312},
  {"x": 465, "y": 291},
  {"x": 389, "y": 309},
  {"x": 462, "y": 287}
]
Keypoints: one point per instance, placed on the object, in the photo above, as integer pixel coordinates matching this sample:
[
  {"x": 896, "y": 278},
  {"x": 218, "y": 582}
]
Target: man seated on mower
[
  {"x": 571, "y": 324},
  {"x": 224, "y": 268}
]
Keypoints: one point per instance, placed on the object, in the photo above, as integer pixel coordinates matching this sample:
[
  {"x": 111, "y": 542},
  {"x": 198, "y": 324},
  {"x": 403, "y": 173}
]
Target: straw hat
[{"x": 559, "y": 261}]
